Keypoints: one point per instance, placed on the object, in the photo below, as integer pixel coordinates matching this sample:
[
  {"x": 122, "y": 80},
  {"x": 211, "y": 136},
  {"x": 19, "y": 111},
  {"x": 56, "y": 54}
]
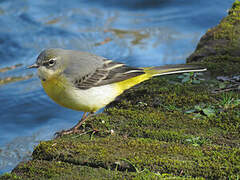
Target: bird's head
[{"x": 50, "y": 63}]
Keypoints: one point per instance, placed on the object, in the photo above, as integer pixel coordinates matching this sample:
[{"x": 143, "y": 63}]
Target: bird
[{"x": 86, "y": 82}]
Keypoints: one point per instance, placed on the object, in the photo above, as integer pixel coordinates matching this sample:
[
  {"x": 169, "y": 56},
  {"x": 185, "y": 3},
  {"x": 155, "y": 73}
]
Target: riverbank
[{"x": 178, "y": 126}]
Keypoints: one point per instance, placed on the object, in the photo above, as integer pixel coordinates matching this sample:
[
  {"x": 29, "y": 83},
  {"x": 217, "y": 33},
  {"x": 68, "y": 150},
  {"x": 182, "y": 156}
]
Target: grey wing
[{"x": 109, "y": 72}]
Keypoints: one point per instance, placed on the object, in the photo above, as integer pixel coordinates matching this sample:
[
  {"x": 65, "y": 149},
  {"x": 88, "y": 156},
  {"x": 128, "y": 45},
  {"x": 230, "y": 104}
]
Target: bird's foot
[
  {"x": 65, "y": 132},
  {"x": 75, "y": 129}
]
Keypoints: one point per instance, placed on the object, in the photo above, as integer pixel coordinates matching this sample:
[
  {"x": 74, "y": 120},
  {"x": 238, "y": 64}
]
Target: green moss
[
  {"x": 41, "y": 169},
  {"x": 8, "y": 176},
  {"x": 218, "y": 49},
  {"x": 156, "y": 156},
  {"x": 229, "y": 27},
  {"x": 222, "y": 64}
]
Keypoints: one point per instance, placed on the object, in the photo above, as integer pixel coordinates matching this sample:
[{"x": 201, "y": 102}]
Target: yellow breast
[
  {"x": 89, "y": 100},
  {"x": 56, "y": 89}
]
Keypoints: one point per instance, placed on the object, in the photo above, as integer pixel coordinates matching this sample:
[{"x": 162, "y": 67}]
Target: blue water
[{"x": 156, "y": 32}]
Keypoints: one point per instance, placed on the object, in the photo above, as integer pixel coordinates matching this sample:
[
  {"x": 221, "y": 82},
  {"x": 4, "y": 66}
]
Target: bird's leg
[
  {"x": 83, "y": 119},
  {"x": 75, "y": 128}
]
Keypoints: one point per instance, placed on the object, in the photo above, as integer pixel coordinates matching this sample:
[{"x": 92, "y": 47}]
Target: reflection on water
[{"x": 137, "y": 32}]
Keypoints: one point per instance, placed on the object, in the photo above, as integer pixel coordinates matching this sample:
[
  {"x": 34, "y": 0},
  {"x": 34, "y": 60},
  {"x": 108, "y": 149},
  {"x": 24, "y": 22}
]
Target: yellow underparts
[
  {"x": 56, "y": 89},
  {"x": 90, "y": 100}
]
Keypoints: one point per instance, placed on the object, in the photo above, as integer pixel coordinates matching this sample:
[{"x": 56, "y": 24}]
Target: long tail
[
  {"x": 156, "y": 71},
  {"x": 172, "y": 69}
]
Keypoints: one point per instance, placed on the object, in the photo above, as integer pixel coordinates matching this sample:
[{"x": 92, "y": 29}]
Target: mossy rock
[
  {"x": 128, "y": 154},
  {"x": 57, "y": 170},
  {"x": 147, "y": 134},
  {"x": 218, "y": 49}
]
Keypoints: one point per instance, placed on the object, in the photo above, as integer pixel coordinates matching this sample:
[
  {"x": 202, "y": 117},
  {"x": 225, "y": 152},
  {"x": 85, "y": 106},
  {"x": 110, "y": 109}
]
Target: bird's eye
[{"x": 51, "y": 62}]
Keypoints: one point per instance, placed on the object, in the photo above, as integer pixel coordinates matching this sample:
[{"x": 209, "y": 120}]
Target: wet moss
[
  {"x": 157, "y": 156},
  {"x": 222, "y": 65},
  {"x": 42, "y": 169}
]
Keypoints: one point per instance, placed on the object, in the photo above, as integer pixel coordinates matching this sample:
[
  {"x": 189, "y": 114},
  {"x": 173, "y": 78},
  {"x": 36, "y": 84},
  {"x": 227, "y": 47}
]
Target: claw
[
  {"x": 66, "y": 132},
  {"x": 75, "y": 129}
]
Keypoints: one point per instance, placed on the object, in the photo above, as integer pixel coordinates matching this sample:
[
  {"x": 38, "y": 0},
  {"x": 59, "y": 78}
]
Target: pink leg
[{"x": 75, "y": 128}]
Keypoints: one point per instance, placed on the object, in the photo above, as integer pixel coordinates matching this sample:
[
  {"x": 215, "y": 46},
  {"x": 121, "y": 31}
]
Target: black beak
[{"x": 33, "y": 66}]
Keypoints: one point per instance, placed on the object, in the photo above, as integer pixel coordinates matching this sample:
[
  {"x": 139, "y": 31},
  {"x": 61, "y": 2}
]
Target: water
[{"x": 136, "y": 32}]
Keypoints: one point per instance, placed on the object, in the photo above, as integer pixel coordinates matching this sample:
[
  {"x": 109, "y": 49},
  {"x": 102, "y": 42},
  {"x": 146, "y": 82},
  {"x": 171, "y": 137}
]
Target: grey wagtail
[{"x": 85, "y": 82}]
